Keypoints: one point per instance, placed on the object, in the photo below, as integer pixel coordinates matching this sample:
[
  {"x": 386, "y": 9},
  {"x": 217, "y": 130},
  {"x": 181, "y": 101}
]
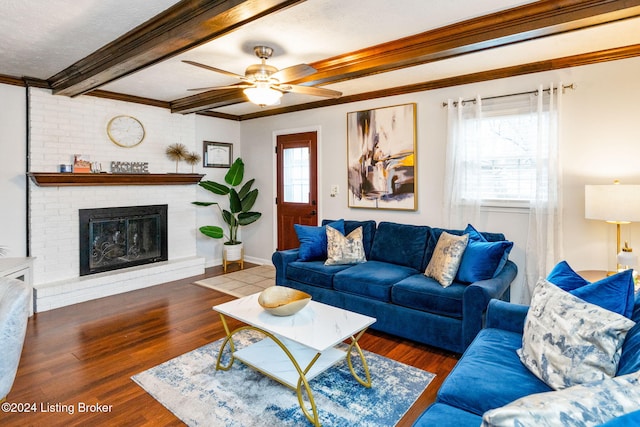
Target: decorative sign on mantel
[{"x": 129, "y": 167}]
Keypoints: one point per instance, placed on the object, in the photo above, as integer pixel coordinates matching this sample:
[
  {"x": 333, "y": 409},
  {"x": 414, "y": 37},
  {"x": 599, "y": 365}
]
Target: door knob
[{"x": 313, "y": 212}]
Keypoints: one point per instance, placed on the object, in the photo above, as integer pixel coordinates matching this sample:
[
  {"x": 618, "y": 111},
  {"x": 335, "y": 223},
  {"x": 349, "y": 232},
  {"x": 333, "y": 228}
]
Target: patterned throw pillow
[
  {"x": 585, "y": 405},
  {"x": 568, "y": 341},
  {"x": 343, "y": 249},
  {"x": 446, "y": 258}
]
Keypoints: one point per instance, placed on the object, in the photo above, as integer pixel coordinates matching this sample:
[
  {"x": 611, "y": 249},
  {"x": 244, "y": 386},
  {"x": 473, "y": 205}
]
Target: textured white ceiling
[{"x": 42, "y": 37}]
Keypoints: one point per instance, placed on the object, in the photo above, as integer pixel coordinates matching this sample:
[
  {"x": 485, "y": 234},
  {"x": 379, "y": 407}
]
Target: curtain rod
[{"x": 564, "y": 87}]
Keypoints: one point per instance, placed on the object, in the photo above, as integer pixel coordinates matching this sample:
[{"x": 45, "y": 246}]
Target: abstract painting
[{"x": 381, "y": 149}]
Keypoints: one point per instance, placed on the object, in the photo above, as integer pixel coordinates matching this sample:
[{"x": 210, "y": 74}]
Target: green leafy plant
[{"x": 240, "y": 203}]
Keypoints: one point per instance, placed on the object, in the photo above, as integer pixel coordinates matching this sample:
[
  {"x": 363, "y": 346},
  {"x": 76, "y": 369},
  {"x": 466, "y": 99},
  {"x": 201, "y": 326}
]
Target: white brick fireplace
[{"x": 61, "y": 127}]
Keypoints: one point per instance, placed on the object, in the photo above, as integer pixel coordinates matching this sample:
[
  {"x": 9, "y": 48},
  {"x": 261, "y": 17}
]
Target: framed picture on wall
[
  {"x": 217, "y": 154},
  {"x": 381, "y": 153}
]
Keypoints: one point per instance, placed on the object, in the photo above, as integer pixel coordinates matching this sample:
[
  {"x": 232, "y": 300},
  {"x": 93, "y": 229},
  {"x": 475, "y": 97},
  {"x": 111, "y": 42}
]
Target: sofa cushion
[
  {"x": 400, "y": 244},
  {"x": 568, "y": 341},
  {"x": 489, "y": 374},
  {"x": 372, "y": 279},
  {"x": 615, "y": 293},
  {"x": 313, "y": 240},
  {"x": 440, "y": 415},
  {"x": 582, "y": 405},
  {"x": 313, "y": 273},
  {"x": 343, "y": 249},
  {"x": 426, "y": 294},
  {"x": 631, "y": 419},
  {"x": 368, "y": 232},
  {"x": 482, "y": 259}
]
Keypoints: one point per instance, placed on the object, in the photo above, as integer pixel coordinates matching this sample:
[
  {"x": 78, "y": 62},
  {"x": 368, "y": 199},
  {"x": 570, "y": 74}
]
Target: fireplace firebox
[{"x": 120, "y": 237}]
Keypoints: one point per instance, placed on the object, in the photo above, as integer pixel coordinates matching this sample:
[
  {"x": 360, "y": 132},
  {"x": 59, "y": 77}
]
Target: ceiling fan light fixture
[{"x": 263, "y": 95}]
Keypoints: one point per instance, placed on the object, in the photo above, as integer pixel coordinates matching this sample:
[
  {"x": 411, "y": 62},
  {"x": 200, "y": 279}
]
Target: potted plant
[{"x": 239, "y": 212}]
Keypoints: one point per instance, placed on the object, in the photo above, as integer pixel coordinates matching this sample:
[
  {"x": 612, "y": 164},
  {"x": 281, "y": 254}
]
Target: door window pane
[{"x": 296, "y": 175}]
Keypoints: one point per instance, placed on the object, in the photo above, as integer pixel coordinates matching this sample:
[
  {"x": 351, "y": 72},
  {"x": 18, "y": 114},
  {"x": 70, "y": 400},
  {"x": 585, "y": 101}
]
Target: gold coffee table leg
[
  {"x": 303, "y": 383},
  {"x": 354, "y": 344},
  {"x": 232, "y": 347},
  {"x": 312, "y": 417}
]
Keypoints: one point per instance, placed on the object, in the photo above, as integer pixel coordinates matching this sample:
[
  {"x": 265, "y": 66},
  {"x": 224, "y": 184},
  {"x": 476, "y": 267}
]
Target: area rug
[
  {"x": 242, "y": 283},
  {"x": 191, "y": 388}
]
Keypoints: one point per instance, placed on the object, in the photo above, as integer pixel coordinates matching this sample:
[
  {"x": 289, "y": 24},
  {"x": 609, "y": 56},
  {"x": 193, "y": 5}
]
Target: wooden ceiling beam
[
  {"x": 183, "y": 26},
  {"x": 614, "y": 54},
  {"x": 208, "y": 100},
  {"x": 520, "y": 24},
  {"x": 527, "y": 22}
]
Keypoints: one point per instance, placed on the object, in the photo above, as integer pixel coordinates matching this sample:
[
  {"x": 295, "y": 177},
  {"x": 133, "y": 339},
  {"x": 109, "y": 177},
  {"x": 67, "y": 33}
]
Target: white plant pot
[{"x": 233, "y": 252}]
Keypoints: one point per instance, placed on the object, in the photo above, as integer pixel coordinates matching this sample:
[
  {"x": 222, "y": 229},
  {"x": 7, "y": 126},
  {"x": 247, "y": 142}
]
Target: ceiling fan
[{"x": 264, "y": 84}]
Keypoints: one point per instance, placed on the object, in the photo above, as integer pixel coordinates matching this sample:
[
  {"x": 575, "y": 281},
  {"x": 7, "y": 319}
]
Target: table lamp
[
  {"x": 626, "y": 257},
  {"x": 616, "y": 204}
]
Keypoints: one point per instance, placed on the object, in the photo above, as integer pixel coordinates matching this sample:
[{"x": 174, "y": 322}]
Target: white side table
[{"x": 19, "y": 268}]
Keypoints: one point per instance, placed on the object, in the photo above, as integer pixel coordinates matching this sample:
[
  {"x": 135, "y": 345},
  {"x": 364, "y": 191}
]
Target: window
[
  {"x": 503, "y": 152},
  {"x": 499, "y": 145},
  {"x": 296, "y": 175}
]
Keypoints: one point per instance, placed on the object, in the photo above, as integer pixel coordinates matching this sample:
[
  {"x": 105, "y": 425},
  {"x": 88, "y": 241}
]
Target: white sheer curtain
[
  {"x": 544, "y": 240},
  {"x": 468, "y": 141},
  {"x": 463, "y": 124}
]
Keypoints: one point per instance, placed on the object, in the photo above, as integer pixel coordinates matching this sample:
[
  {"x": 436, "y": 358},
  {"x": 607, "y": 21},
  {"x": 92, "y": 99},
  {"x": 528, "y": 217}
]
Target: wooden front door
[{"x": 297, "y": 185}]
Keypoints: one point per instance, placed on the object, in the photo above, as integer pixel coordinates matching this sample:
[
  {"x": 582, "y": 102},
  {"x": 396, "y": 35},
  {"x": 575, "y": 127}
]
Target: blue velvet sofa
[
  {"x": 391, "y": 286},
  {"x": 490, "y": 375}
]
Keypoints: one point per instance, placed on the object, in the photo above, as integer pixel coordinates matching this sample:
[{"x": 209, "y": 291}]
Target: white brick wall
[{"x": 61, "y": 127}]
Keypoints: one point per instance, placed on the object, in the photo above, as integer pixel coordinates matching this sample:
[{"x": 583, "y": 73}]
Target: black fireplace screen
[{"x": 114, "y": 238}]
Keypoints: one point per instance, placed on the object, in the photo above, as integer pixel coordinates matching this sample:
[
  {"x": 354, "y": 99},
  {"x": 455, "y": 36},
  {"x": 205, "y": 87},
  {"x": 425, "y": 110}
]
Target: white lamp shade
[{"x": 613, "y": 203}]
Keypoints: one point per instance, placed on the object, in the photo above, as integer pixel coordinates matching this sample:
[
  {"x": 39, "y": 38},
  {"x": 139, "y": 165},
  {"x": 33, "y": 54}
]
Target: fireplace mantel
[{"x": 55, "y": 179}]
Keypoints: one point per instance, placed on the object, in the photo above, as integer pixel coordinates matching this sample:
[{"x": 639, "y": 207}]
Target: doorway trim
[{"x": 274, "y": 178}]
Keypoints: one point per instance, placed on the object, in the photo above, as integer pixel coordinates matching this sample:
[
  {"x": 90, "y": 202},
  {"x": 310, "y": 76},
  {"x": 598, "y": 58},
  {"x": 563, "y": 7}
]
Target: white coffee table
[{"x": 296, "y": 348}]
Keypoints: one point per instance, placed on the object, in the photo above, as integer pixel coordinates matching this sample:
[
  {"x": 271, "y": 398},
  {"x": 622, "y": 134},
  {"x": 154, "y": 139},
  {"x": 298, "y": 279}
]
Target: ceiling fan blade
[
  {"x": 217, "y": 70},
  {"x": 236, "y": 86},
  {"x": 294, "y": 72},
  {"x": 311, "y": 90}
]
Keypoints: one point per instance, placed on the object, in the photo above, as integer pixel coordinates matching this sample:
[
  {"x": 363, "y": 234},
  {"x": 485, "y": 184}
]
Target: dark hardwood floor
[{"x": 85, "y": 354}]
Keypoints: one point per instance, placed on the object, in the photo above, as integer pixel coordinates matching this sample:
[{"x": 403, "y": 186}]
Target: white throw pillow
[
  {"x": 344, "y": 249},
  {"x": 568, "y": 341},
  {"x": 446, "y": 258},
  {"x": 584, "y": 405}
]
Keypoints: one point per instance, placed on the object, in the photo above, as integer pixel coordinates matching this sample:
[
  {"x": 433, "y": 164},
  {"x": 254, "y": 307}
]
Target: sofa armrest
[
  {"x": 476, "y": 299},
  {"x": 281, "y": 260},
  {"x": 507, "y": 316},
  {"x": 14, "y": 316}
]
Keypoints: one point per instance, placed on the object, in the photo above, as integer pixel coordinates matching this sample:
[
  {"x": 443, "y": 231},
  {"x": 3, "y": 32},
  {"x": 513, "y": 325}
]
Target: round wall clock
[{"x": 125, "y": 131}]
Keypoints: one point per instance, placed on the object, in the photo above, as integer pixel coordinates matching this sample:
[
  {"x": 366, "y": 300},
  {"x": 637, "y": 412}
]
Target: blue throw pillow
[
  {"x": 565, "y": 278},
  {"x": 313, "y": 240},
  {"x": 615, "y": 293},
  {"x": 474, "y": 235},
  {"x": 482, "y": 259}
]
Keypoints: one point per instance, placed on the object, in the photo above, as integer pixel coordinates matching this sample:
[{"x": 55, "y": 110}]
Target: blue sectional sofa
[
  {"x": 391, "y": 286},
  {"x": 490, "y": 375}
]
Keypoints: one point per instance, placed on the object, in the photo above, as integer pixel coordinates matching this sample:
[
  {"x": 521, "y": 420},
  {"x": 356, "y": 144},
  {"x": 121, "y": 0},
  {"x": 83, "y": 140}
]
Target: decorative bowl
[{"x": 283, "y": 301}]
